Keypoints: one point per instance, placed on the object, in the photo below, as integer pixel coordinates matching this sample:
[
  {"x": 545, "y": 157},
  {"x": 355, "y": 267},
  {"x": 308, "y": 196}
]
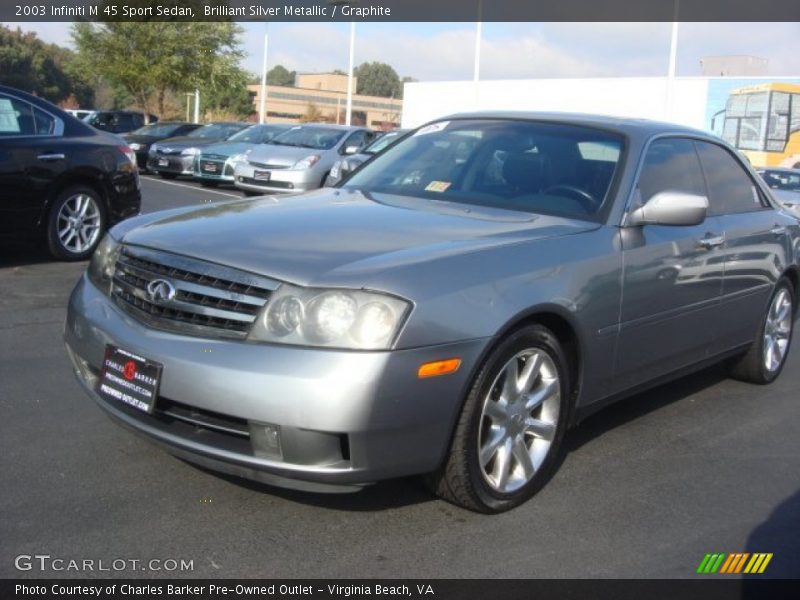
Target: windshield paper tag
[
  {"x": 437, "y": 186},
  {"x": 433, "y": 128}
]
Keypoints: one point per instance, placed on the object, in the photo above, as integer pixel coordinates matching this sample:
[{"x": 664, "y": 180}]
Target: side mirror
[
  {"x": 351, "y": 149},
  {"x": 670, "y": 208}
]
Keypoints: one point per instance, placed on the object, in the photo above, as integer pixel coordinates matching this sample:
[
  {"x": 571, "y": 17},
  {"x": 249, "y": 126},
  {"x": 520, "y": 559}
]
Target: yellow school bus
[{"x": 763, "y": 122}]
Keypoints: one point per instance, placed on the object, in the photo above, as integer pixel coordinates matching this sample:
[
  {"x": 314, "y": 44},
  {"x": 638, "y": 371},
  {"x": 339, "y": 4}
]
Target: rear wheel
[
  {"x": 764, "y": 360},
  {"x": 76, "y": 223},
  {"x": 509, "y": 434}
]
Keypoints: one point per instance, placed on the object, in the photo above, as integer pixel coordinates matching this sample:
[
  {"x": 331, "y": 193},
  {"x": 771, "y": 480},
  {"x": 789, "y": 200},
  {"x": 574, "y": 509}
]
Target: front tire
[
  {"x": 510, "y": 431},
  {"x": 764, "y": 361},
  {"x": 76, "y": 223}
]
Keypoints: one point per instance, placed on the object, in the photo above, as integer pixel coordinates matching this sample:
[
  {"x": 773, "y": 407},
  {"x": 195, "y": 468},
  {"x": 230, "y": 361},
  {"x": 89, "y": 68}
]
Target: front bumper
[
  {"x": 175, "y": 163},
  {"x": 346, "y": 418},
  {"x": 285, "y": 181},
  {"x": 223, "y": 170}
]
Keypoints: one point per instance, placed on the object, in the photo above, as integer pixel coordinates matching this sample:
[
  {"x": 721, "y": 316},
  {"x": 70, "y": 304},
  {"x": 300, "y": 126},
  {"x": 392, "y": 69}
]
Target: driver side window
[{"x": 671, "y": 164}]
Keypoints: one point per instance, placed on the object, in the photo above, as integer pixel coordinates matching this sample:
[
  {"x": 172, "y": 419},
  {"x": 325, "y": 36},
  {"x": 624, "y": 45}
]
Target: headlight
[
  {"x": 190, "y": 151},
  {"x": 104, "y": 259},
  {"x": 237, "y": 158},
  {"x": 134, "y": 146},
  {"x": 307, "y": 162},
  {"x": 330, "y": 318},
  {"x": 153, "y": 149}
]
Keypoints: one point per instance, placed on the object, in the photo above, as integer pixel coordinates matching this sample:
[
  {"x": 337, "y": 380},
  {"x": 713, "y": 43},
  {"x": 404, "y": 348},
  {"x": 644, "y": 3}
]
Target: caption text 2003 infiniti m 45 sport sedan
[{"x": 452, "y": 310}]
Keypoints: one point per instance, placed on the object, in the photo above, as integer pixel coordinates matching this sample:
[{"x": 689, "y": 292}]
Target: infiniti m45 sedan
[{"x": 451, "y": 310}]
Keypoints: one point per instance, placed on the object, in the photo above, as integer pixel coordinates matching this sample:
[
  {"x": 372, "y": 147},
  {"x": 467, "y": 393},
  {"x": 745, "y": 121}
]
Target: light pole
[
  {"x": 262, "y": 109},
  {"x": 673, "y": 53},
  {"x": 476, "y": 72},
  {"x": 349, "y": 108}
]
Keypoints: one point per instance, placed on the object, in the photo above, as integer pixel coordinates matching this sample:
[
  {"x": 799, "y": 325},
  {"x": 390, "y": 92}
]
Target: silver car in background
[
  {"x": 452, "y": 309},
  {"x": 346, "y": 165},
  {"x": 214, "y": 164},
  {"x": 785, "y": 186},
  {"x": 299, "y": 159}
]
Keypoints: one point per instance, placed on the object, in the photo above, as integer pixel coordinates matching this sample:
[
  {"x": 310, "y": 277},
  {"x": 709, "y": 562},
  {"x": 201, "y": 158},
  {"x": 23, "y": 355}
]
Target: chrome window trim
[{"x": 58, "y": 128}]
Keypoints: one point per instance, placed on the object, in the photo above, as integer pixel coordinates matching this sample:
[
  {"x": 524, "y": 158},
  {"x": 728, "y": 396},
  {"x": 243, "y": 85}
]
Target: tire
[
  {"x": 760, "y": 364},
  {"x": 168, "y": 175},
  {"x": 76, "y": 223},
  {"x": 209, "y": 184},
  {"x": 485, "y": 469}
]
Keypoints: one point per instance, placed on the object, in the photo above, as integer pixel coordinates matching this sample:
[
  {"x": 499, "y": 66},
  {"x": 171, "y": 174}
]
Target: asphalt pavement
[{"x": 646, "y": 489}]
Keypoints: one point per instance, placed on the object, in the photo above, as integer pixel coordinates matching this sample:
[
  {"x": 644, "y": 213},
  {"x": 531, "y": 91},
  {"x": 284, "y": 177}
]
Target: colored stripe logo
[{"x": 737, "y": 562}]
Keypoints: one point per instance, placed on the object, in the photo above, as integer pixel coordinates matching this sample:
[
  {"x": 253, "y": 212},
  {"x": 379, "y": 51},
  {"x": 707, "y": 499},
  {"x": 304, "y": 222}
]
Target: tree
[
  {"x": 43, "y": 69},
  {"x": 232, "y": 99},
  {"x": 378, "y": 79},
  {"x": 280, "y": 75},
  {"x": 312, "y": 115},
  {"x": 148, "y": 59}
]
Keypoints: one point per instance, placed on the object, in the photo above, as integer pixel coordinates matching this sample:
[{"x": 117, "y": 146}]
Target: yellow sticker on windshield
[{"x": 437, "y": 186}]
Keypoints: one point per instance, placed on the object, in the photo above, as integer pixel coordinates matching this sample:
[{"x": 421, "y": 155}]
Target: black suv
[
  {"x": 61, "y": 181},
  {"x": 119, "y": 121}
]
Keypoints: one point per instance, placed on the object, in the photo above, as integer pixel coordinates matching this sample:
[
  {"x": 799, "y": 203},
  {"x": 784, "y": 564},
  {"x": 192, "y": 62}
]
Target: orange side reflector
[{"x": 439, "y": 367}]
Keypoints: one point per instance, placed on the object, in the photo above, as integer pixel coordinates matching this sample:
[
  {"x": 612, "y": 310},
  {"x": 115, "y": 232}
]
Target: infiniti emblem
[{"x": 160, "y": 291}]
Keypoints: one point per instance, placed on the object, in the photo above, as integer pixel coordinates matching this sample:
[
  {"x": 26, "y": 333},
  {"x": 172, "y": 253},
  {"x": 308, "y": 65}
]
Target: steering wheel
[{"x": 589, "y": 203}]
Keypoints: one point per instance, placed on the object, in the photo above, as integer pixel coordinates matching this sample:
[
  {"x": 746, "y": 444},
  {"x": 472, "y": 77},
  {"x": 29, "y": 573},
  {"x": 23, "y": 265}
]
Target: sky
[{"x": 445, "y": 51}]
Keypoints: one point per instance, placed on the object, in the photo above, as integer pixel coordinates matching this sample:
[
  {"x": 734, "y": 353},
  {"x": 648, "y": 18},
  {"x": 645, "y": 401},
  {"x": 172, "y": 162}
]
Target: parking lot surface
[{"x": 647, "y": 488}]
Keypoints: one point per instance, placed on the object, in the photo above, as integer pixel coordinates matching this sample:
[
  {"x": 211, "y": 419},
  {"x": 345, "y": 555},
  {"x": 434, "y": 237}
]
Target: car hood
[
  {"x": 335, "y": 237},
  {"x": 139, "y": 139},
  {"x": 185, "y": 141},
  {"x": 227, "y": 148},
  {"x": 285, "y": 156}
]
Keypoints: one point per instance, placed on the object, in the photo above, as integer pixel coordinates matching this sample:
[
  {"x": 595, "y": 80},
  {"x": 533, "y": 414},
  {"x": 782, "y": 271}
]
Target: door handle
[
  {"x": 778, "y": 230},
  {"x": 47, "y": 157}
]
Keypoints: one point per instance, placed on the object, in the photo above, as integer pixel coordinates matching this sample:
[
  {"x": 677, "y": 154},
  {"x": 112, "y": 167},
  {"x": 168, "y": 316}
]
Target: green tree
[
  {"x": 47, "y": 70},
  {"x": 149, "y": 59},
  {"x": 378, "y": 79},
  {"x": 233, "y": 98},
  {"x": 280, "y": 75}
]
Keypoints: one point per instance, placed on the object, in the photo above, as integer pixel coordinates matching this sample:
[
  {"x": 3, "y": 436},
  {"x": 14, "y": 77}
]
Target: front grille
[
  {"x": 270, "y": 166},
  {"x": 208, "y": 300},
  {"x": 221, "y": 157}
]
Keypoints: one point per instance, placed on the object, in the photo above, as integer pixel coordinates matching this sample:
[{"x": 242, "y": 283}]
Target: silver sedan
[
  {"x": 300, "y": 159},
  {"x": 452, "y": 309}
]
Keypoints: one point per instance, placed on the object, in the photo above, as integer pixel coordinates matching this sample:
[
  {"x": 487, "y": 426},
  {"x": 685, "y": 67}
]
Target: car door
[
  {"x": 672, "y": 275},
  {"x": 31, "y": 157},
  {"x": 756, "y": 243}
]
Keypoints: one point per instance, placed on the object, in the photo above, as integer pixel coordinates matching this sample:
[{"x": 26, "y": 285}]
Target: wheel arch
[{"x": 88, "y": 179}]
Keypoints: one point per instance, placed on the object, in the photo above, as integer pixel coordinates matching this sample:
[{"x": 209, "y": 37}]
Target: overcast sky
[{"x": 445, "y": 51}]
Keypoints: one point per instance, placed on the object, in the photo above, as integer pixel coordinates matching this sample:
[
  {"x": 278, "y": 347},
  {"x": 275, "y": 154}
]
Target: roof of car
[{"x": 621, "y": 124}]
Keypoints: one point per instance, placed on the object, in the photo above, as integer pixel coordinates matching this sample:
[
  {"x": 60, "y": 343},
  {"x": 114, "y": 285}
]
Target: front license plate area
[
  {"x": 262, "y": 175},
  {"x": 130, "y": 379},
  {"x": 163, "y": 162},
  {"x": 210, "y": 167}
]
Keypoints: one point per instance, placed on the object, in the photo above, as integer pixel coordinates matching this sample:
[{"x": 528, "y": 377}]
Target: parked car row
[{"x": 258, "y": 159}]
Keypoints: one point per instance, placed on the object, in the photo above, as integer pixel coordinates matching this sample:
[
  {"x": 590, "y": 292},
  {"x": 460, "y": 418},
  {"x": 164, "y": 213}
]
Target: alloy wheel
[
  {"x": 78, "y": 223},
  {"x": 518, "y": 420},
  {"x": 777, "y": 330}
]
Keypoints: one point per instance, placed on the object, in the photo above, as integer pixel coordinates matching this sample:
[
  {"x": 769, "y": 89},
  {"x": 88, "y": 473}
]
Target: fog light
[{"x": 266, "y": 440}]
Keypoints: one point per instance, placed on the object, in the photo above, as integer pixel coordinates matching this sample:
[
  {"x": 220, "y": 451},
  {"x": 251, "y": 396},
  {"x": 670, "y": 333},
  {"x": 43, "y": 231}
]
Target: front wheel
[
  {"x": 764, "y": 360},
  {"x": 510, "y": 430},
  {"x": 76, "y": 223}
]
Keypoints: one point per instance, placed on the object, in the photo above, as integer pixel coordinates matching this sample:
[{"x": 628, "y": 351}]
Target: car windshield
[
  {"x": 218, "y": 131},
  {"x": 782, "y": 180},
  {"x": 318, "y": 138},
  {"x": 549, "y": 168},
  {"x": 383, "y": 142},
  {"x": 158, "y": 129},
  {"x": 258, "y": 134}
]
